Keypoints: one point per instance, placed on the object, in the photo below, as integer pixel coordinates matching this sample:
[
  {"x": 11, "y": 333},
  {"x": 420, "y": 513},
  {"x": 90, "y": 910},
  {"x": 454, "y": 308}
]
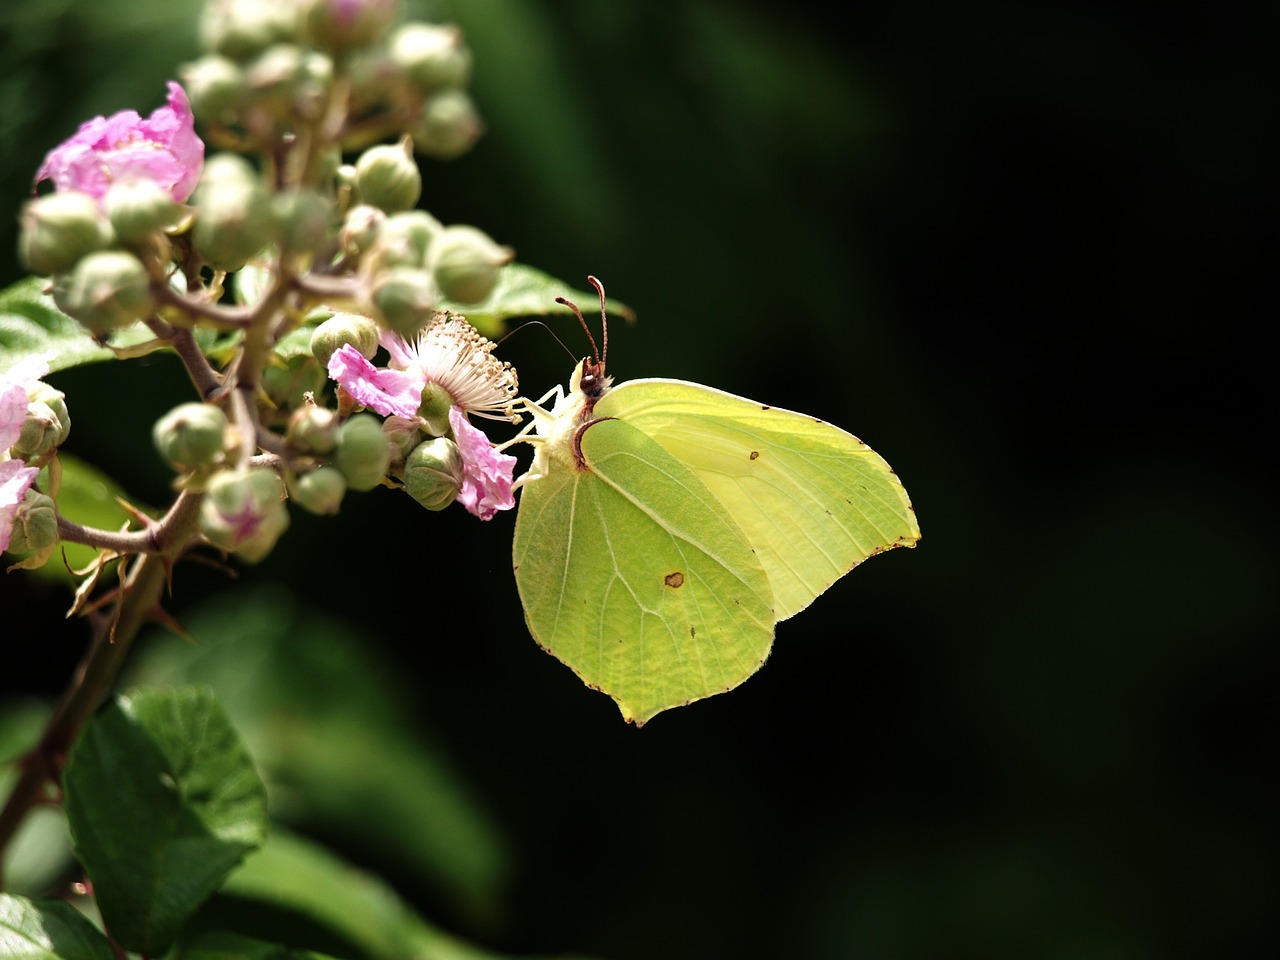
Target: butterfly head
[{"x": 593, "y": 382}]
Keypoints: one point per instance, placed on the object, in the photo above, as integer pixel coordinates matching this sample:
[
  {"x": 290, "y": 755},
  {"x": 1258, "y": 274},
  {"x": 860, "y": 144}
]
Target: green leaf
[
  {"x": 409, "y": 804},
  {"x": 163, "y": 801},
  {"x": 523, "y": 291},
  {"x": 298, "y": 875},
  {"x": 40, "y": 852},
  {"x": 296, "y": 343},
  {"x": 233, "y": 946},
  {"x": 48, "y": 930},
  {"x": 31, "y": 325}
]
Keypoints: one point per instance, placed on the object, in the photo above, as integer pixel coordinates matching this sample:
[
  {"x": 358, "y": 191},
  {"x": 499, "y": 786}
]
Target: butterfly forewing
[
  {"x": 812, "y": 500},
  {"x": 633, "y": 573}
]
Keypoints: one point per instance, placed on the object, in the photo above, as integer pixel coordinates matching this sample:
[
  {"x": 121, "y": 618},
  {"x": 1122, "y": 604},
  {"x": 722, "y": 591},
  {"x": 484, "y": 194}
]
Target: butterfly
[{"x": 665, "y": 527}]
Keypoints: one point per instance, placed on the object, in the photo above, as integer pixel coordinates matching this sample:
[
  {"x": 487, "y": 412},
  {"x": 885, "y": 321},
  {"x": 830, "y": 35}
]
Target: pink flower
[
  {"x": 453, "y": 356},
  {"x": 163, "y": 148},
  {"x": 486, "y": 476},
  {"x": 449, "y": 352},
  {"x": 16, "y": 477}
]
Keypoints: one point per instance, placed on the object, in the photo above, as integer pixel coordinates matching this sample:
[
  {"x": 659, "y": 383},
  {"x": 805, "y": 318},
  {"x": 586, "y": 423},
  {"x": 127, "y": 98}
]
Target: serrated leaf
[
  {"x": 163, "y": 801},
  {"x": 523, "y": 291},
  {"x": 48, "y": 930},
  {"x": 32, "y": 325},
  {"x": 409, "y": 802}
]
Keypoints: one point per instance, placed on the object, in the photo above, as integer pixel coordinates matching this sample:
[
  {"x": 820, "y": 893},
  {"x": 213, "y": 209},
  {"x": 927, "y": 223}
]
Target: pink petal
[
  {"x": 175, "y": 125},
  {"x": 486, "y": 479},
  {"x": 397, "y": 392},
  {"x": 163, "y": 148},
  {"x": 13, "y": 397}
]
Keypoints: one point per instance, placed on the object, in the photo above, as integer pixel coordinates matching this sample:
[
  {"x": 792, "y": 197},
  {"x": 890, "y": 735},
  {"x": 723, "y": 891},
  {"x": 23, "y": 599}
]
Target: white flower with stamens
[
  {"x": 450, "y": 353},
  {"x": 452, "y": 358}
]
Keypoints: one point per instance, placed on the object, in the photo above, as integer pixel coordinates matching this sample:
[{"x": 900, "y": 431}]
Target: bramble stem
[{"x": 140, "y": 594}]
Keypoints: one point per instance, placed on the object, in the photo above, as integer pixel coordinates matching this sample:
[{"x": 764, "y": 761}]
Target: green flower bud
[
  {"x": 138, "y": 209},
  {"x": 363, "y": 454},
  {"x": 191, "y": 436},
  {"x": 404, "y": 239},
  {"x": 60, "y": 228},
  {"x": 305, "y": 218},
  {"x": 215, "y": 86},
  {"x": 35, "y": 524},
  {"x": 431, "y": 55},
  {"x": 345, "y": 24},
  {"x": 39, "y": 434},
  {"x": 313, "y": 429},
  {"x": 106, "y": 290},
  {"x": 243, "y": 512},
  {"x": 320, "y": 490},
  {"x": 45, "y": 427},
  {"x": 274, "y": 75},
  {"x": 449, "y": 126},
  {"x": 345, "y": 177},
  {"x": 360, "y": 229},
  {"x": 375, "y": 80},
  {"x": 340, "y": 329},
  {"x": 239, "y": 29},
  {"x": 287, "y": 381},
  {"x": 288, "y": 80},
  {"x": 405, "y": 300},
  {"x": 227, "y": 170},
  {"x": 403, "y": 435},
  {"x": 465, "y": 263},
  {"x": 435, "y": 407},
  {"x": 388, "y": 177},
  {"x": 234, "y": 220},
  {"x": 433, "y": 473},
  {"x": 313, "y": 93}
]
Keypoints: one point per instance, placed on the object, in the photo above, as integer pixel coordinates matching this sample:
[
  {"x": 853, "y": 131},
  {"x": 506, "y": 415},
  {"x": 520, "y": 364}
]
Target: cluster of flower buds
[
  {"x": 301, "y": 242},
  {"x": 121, "y": 183},
  {"x": 273, "y": 66}
]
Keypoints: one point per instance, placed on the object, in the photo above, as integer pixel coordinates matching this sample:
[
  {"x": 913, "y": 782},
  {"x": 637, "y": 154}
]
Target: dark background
[{"x": 1020, "y": 250}]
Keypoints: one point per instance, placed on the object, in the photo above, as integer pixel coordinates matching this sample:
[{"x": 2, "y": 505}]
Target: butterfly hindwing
[
  {"x": 633, "y": 573},
  {"x": 812, "y": 499}
]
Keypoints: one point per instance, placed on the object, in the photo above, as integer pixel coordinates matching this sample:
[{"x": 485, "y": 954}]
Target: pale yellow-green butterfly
[{"x": 664, "y": 527}]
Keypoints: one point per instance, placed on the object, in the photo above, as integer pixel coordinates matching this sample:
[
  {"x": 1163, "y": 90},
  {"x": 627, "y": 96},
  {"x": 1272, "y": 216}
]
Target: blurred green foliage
[{"x": 1020, "y": 252}]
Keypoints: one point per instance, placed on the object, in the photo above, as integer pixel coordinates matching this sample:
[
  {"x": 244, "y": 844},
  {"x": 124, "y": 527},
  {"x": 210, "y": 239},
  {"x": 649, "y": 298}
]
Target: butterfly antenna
[
  {"x": 534, "y": 323},
  {"x": 604, "y": 319},
  {"x": 595, "y": 351}
]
